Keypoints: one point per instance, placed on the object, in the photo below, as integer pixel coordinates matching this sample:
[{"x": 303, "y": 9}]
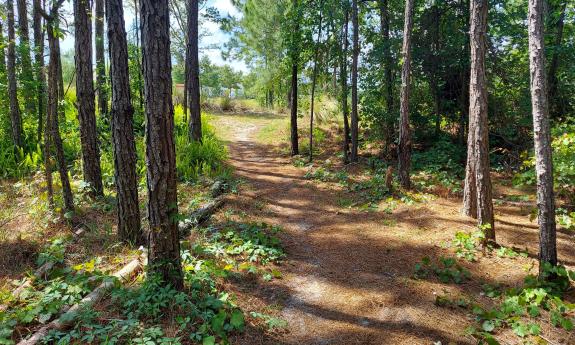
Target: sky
[{"x": 215, "y": 37}]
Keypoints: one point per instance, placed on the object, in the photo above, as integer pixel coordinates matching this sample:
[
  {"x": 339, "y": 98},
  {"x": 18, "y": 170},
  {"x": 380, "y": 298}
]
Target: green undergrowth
[
  {"x": 524, "y": 309},
  {"x": 367, "y": 192},
  {"x": 147, "y": 311}
]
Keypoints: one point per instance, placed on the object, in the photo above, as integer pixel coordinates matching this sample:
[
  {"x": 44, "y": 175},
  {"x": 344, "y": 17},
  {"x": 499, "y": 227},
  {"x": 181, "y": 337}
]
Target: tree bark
[
  {"x": 3, "y": 77},
  {"x": 387, "y": 73},
  {"x": 354, "y": 110},
  {"x": 39, "y": 61},
  {"x": 404, "y": 147},
  {"x": 129, "y": 227},
  {"x": 314, "y": 80},
  {"x": 294, "y": 80},
  {"x": 15, "y": 115},
  {"x": 542, "y": 137},
  {"x": 195, "y": 130},
  {"x": 478, "y": 137},
  {"x": 344, "y": 88},
  {"x": 164, "y": 254},
  {"x": 53, "y": 127},
  {"x": 27, "y": 74},
  {"x": 101, "y": 82},
  {"x": 85, "y": 97}
]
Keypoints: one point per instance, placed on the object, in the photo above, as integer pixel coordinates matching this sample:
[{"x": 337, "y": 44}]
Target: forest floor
[{"x": 348, "y": 277}]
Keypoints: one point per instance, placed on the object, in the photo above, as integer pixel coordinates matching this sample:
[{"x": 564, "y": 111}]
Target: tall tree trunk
[
  {"x": 85, "y": 97},
  {"x": 435, "y": 67},
  {"x": 387, "y": 73},
  {"x": 27, "y": 74},
  {"x": 354, "y": 111},
  {"x": 129, "y": 227},
  {"x": 53, "y": 127},
  {"x": 314, "y": 81},
  {"x": 39, "y": 61},
  {"x": 139, "y": 56},
  {"x": 15, "y": 116},
  {"x": 294, "y": 80},
  {"x": 164, "y": 253},
  {"x": 60, "y": 75},
  {"x": 478, "y": 137},
  {"x": 553, "y": 85},
  {"x": 101, "y": 82},
  {"x": 195, "y": 130},
  {"x": 404, "y": 147},
  {"x": 4, "y": 108},
  {"x": 542, "y": 137},
  {"x": 344, "y": 91}
]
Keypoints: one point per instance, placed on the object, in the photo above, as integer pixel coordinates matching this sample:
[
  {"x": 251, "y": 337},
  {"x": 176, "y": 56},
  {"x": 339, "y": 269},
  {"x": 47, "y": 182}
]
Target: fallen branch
[
  {"x": 41, "y": 272},
  {"x": 199, "y": 216},
  {"x": 67, "y": 318}
]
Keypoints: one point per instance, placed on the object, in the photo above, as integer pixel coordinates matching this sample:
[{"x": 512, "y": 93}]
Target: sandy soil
[{"x": 348, "y": 277}]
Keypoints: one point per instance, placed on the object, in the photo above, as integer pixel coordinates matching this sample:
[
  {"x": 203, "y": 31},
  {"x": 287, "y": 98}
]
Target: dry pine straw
[{"x": 348, "y": 275}]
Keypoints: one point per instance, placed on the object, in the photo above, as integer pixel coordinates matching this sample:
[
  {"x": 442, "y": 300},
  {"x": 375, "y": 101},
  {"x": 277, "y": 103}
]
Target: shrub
[{"x": 195, "y": 159}]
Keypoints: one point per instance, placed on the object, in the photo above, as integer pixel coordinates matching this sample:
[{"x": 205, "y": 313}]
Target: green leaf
[
  {"x": 488, "y": 326},
  {"x": 237, "y": 319},
  {"x": 211, "y": 340}
]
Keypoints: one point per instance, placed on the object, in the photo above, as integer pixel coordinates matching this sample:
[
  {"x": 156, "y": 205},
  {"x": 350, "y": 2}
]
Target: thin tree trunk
[
  {"x": 404, "y": 147},
  {"x": 164, "y": 253},
  {"x": 344, "y": 89},
  {"x": 294, "y": 81},
  {"x": 129, "y": 227},
  {"x": 86, "y": 96},
  {"x": 15, "y": 116},
  {"x": 435, "y": 68},
  {"x": 542, "y": 137},
  {"x": 139, "y": 57},
  {"x": 27, "y": 74},
  {"x": 553, "y": 84},
  {"x": 39, "y": 61},
  {"x": 101, "y": 82},
  {"x": 354, "y": 110},
  {"x": 195, "y": 130},
  {"x": 314, "y": 82},
  {"x": 388, "y": 77},
  {"x": 53, "y": 125},
  {"x": 3, "y": 78},
  {"x": 478, "y": 137}
]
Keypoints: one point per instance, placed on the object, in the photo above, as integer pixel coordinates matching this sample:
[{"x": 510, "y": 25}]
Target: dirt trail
[{"x": 347, "y": 277}]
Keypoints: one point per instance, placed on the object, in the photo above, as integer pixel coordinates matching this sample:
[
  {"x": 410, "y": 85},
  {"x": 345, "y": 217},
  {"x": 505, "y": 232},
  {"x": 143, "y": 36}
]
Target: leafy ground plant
[
  {"x": 447, "y": 270},
  {"x": 522, "y": 309}
]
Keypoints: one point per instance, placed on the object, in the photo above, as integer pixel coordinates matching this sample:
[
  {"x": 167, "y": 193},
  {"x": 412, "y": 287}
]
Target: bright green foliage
[
  {"x": 563, "y": 162},
  {"x": 466, "y": 244},
  {"x": 520, "y": 308},
  {"x": 447, "y": 270}
]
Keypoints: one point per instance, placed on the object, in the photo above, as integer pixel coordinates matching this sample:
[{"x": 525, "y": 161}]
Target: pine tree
[
  {"x": 478, "y": 194},
  {"x": 129, "y": 227},
  {"x": 164, "y": 244},
  {"x": 542, "y": 137},
  {"x": 404, "y": 147},
  {"x": 15, "y": 115},
  {"x": 193, "y": 73},
  {"x": 86, "y": 97}
]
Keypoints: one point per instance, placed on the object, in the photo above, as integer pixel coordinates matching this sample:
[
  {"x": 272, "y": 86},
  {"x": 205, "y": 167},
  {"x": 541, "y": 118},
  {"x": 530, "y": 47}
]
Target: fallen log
[
  {"x": 41, "y": 272},
  {"x": 199, "y": 216},
  {"x": 68, "y": 317}
]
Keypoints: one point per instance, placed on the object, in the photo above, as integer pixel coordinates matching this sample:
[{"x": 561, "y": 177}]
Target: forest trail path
[{"x": 348, "y": 275}]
